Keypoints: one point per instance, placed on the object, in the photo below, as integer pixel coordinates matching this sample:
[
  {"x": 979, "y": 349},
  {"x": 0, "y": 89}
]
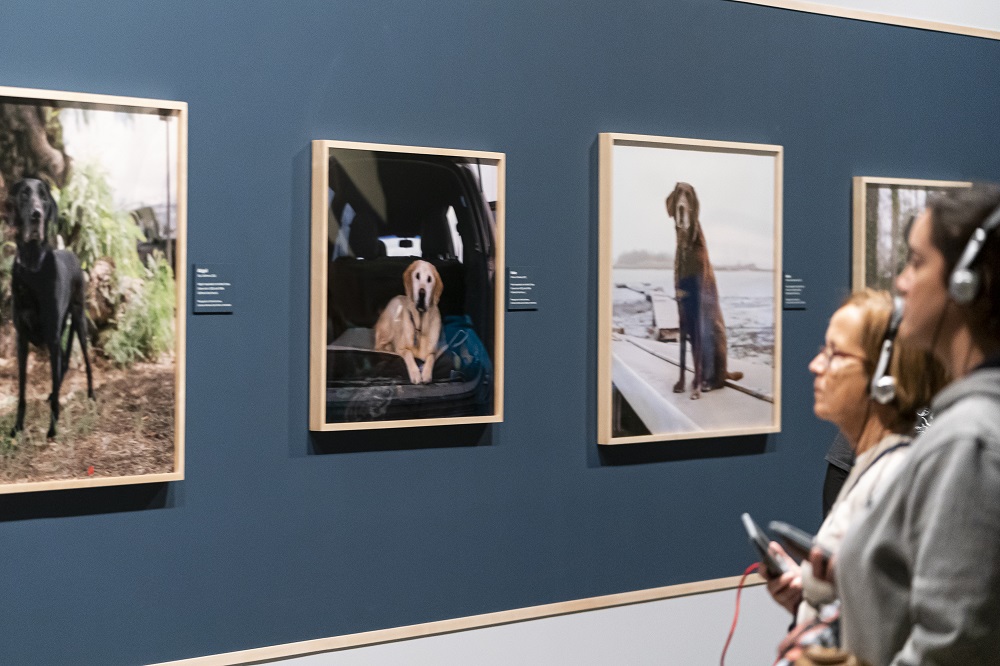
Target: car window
[
  {"x": 456, "y": 238},
  {"x": 341, "y": 232},
  {"x": 396, "y": 246},
  {"x": 391, "y": 206}
]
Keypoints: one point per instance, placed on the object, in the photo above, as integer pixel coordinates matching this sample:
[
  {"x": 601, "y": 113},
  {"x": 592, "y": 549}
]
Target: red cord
[{"x": 739, "y": 588}]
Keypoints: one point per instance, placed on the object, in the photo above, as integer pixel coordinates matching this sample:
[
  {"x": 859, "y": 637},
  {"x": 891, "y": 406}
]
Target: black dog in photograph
[
  {"x": 698, "y": 307},
  {"x": 48, "y": 292}
]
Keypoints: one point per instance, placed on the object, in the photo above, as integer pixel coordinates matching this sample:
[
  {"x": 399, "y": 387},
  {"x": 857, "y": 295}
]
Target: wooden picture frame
[
  {"x": 115, "y": 204},
  {"x": 734, "y": 193},
  {"x": 882, "y": 208},
  {"x": 378, "y": 210}
]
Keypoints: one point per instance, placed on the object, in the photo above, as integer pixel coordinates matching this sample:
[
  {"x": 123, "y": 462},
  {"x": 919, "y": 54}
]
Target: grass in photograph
[{"x": 127, "y": 431}]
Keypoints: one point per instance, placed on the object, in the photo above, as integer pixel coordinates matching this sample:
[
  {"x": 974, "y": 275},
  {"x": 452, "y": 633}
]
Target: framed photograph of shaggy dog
[
  {"x": 407, "y": 278},
  {"x": 92, "y": 290},
  {"x": 883, "y": 209},
  {"x": 689, "y": 344}
]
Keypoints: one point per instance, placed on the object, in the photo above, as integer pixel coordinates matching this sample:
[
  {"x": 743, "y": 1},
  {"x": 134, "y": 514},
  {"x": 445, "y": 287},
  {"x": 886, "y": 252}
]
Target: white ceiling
[{"x": 973, "y": 13}]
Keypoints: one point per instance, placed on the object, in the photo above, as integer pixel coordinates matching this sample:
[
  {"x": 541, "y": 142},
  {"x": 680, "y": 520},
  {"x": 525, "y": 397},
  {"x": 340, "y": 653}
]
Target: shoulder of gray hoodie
[{"x": 919, "y": 575}]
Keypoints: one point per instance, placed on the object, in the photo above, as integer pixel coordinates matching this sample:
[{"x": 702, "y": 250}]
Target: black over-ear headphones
[
  {"x": 964, "y": 281},
  {"x": 883, "y": 386}
]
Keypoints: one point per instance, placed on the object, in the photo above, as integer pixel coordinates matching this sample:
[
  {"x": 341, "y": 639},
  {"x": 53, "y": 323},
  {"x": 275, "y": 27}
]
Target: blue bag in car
[{"x": 469, "y": 356}]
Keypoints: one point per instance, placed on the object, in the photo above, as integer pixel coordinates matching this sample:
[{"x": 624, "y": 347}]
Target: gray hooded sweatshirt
[{"x": 919, "y": 574}]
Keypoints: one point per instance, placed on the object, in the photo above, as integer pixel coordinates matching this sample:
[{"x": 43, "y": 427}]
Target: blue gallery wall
[{"x": 277, "y": 535}]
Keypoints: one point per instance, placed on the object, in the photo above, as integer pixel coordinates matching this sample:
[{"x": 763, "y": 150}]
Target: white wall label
[
  {"x": 794, "y": 293},
  {"x": 521, "y": 290},
  {"x": 213, "y": 289}
]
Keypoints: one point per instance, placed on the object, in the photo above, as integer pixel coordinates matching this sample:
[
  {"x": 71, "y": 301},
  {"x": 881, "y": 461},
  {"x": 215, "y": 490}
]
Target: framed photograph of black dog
[
  {"x": 92, "y": 289},
  {"x": 689, "y": 310},
  {"x": 883, "y": 209},
  {"x": 407, "y": 276}
]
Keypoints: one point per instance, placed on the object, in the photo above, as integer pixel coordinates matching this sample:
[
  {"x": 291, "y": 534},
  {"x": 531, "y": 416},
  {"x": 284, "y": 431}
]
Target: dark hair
[{"x": 954, "y": 218}]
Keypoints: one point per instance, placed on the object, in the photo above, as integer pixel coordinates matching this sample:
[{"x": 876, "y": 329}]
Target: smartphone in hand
[
  {"x": 798, "y": 542},
  {"x": 775, "y": 566}
]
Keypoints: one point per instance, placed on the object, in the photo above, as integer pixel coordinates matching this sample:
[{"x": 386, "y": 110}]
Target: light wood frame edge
[
  {"x": 876, "y": 17},
  {"x": 606, "y": 144},
  {"x": 318, "y": 279},
  {"x": 605, "y": 149},
  {"x": 180, "y": 284},
  {"x": 92, "y": 98},
  {"x": 369, "y": 638},
  {"x": 499, "y": 290},
  {"x": 859, "y": 230},
  {"x": 779, "y": 275},
  {"x": 180, "y": 111}
]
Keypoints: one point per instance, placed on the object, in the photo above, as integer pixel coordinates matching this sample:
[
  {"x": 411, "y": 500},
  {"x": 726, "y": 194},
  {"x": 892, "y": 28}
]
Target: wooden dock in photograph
[{"x": 645, "y": 371}]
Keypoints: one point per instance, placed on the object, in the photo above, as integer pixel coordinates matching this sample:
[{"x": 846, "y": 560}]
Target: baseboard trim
[{"x": 303, "y": 648}]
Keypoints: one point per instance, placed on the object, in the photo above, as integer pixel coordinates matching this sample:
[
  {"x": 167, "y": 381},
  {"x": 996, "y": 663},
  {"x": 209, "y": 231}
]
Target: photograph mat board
[
  {"x": 138, "y": 148},
  {"x": 491, "y": 178},
  {"x": 738, "y": 187}
]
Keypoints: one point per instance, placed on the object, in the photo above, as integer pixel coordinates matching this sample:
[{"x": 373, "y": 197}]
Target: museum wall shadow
[
  {"x": 299, "y": 286},
  {"x": 673, "y": 451},
  {"x": 86, "y": 501},
  {"x": 401, "y": 439},
  {"x": 593, "y": 300}
]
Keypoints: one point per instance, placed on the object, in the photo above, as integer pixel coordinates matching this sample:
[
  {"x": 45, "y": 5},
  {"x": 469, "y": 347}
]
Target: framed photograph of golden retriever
[
  {"x": 883, "y": 209},
  {"x": 92, "y": 290},
  {"x": 407, "y": 278},
  {"x": 690, "y": 277}
]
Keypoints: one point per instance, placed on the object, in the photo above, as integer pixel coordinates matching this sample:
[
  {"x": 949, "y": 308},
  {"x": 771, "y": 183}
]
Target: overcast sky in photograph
[
  {"x": 735, "y": 192},
  {"x": 132, "y": 149}
]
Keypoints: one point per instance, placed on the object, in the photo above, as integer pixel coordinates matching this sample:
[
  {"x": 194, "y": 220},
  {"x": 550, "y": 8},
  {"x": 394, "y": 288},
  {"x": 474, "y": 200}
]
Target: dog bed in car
[{"x": 364, "y": 384}]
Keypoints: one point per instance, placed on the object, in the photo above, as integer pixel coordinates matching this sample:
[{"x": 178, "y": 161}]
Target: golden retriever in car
[
  {"x": 410, "y": 325},
  {"x": 697, "y": 295}
]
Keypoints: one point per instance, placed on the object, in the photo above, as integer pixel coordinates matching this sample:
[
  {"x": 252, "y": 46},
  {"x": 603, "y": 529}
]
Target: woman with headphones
[
  {"x": 872, "y": 393},
  {"x": 919, "y": 574}
]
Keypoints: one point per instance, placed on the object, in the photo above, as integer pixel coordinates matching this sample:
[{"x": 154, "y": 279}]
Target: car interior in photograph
[{"x": 388, "y": 210}]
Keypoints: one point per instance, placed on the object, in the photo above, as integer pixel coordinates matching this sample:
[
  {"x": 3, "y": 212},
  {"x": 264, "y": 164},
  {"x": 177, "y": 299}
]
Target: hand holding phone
[
  {"x": 798, "y": 542},
  {"x": 801, "y": 544},
  {"x": 774, "y": 566}
]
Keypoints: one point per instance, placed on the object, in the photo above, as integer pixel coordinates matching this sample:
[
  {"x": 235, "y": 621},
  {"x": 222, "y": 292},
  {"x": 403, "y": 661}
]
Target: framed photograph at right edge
[
  {"x": 689, "y": 342},
  {"x": 883, "y": 208}
]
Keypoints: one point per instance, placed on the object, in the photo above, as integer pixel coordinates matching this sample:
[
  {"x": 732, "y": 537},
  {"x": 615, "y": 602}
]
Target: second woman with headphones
[{"x": 919, "y": 574}]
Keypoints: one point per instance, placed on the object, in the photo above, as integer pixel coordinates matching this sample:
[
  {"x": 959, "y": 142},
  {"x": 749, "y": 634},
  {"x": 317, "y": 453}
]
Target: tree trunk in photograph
[
  {"x": 871, "y": 240},
  {"x": 893, "y": 235},
  {"x": 31, "y": 144}
]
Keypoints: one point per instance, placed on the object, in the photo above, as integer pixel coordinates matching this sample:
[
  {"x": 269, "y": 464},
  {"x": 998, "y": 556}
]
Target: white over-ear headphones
[
  {"x": 883, "y": 385},
  {"x": 964, "y": 281}
]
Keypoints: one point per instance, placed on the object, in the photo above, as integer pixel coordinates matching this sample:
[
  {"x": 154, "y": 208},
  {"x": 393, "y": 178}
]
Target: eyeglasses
[{"x": 828, "y": 353}]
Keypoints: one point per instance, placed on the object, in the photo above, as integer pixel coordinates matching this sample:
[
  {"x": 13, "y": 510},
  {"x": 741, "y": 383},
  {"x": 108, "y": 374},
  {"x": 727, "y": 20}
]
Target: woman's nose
[
  {"x": 816, "y": 365},
  {"x": 903, "y": 281}
]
